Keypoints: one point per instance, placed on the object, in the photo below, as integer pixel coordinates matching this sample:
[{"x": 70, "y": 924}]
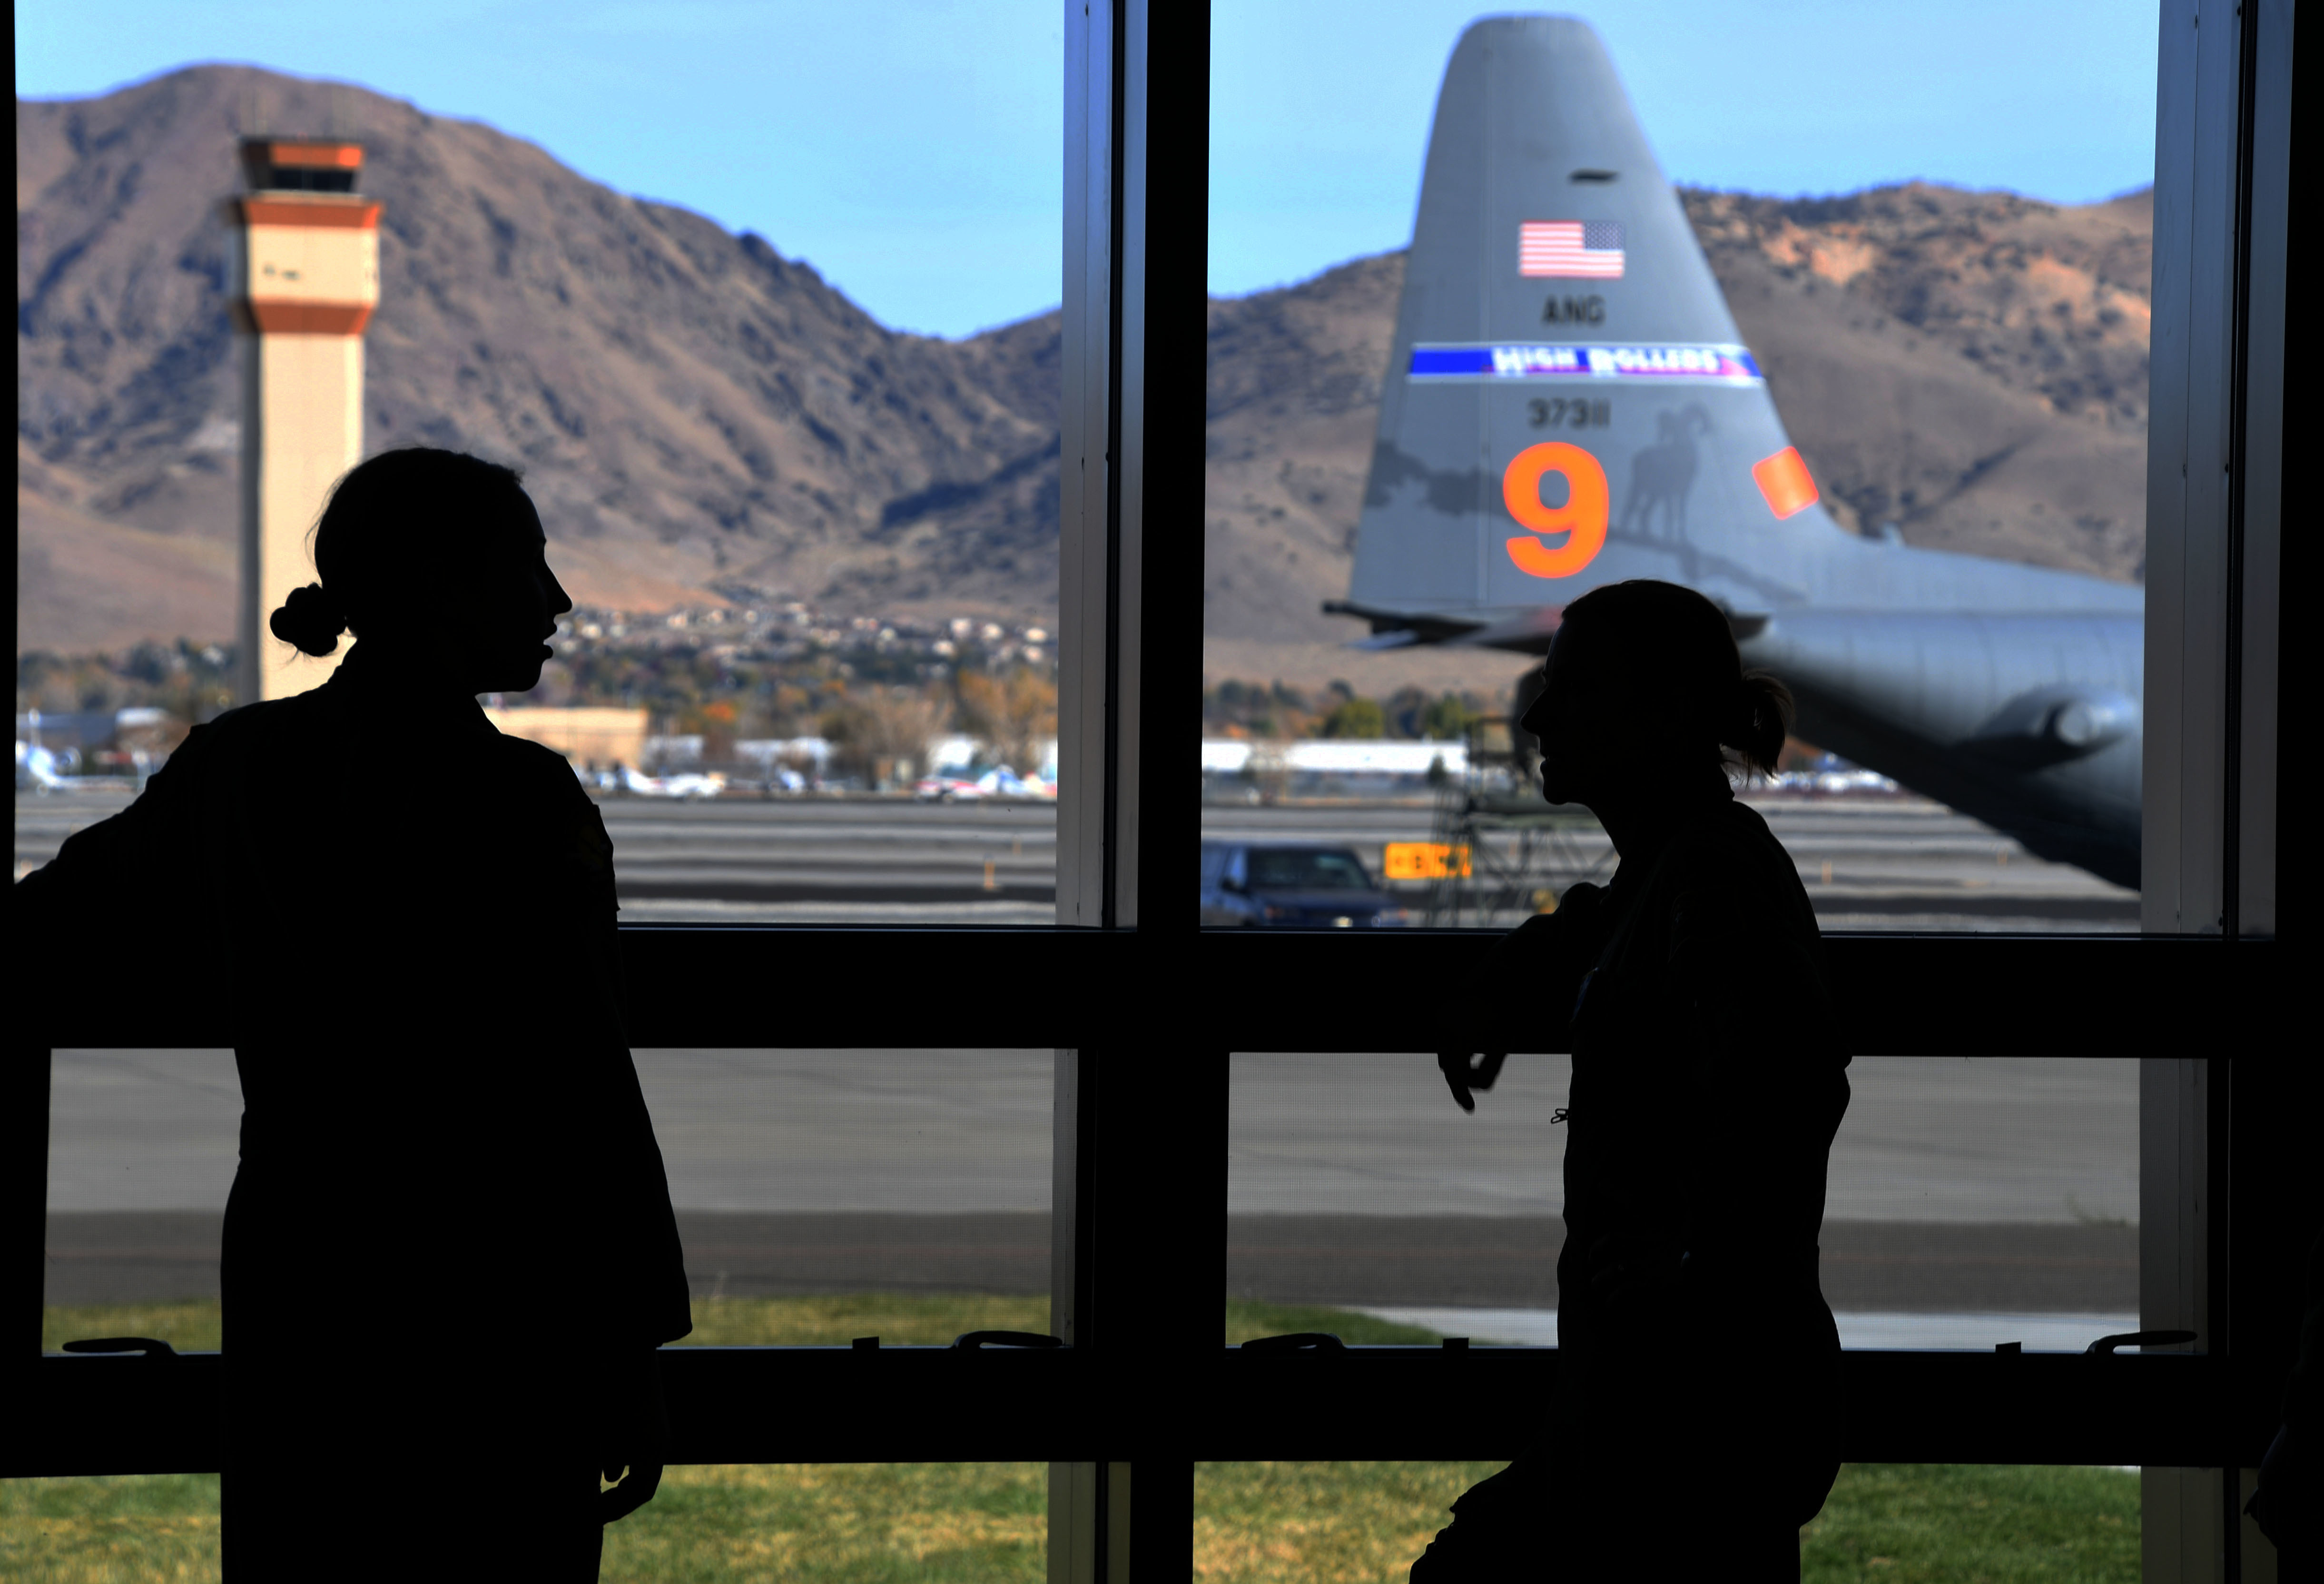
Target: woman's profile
[
  {"x": 1696, "y": 1426},
  {"x": 449, "y": 1250}
]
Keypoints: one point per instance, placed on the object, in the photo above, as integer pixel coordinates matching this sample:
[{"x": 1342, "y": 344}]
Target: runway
[
  {"x": 1976, "y": 1188},
  {"x": 1867, "y": 862}
]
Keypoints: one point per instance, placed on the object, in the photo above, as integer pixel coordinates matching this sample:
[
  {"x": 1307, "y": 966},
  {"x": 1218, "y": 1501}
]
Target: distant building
[
  {"x": 1238, "y": 770},
  {"x": 601, "y": 736},
  {"x": 303, "y": 278},
  {"x": 1334, "y": 756}
]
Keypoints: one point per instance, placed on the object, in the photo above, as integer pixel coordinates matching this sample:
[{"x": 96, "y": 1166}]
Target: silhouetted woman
[
  {"x": 1697, "y": 1419},
  {"x": 449, "y": 1251}
]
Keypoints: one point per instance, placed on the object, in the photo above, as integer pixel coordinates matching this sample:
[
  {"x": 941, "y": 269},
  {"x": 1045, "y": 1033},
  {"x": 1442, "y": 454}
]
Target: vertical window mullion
[
  {"x": 2190, "y": 456},
  {"x": 23, "y": 1203},
  {"x": 1085, "y": 630},
  {"x": 2266, "y": 239}
]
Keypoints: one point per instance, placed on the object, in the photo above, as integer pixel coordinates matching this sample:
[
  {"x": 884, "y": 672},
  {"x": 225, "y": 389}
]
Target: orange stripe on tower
[
  {"x": 1783, "y": 478},
  {"x": 307, "y": 318},
  {"x": 353, "y": 216},
  {"x": 327, "y": 156}
]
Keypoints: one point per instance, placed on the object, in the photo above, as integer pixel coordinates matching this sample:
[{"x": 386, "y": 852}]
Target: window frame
[{"x": 1141, "y": 1105}]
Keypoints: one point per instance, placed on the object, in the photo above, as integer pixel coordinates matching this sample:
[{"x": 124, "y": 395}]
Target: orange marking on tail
[
  {"x": 1581, "y": 519},
  {"x": 1784, "y": 479}
]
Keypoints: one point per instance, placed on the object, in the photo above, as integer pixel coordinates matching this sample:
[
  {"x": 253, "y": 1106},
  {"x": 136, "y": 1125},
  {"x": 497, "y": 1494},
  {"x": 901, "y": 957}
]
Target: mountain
[
  {"x": 691, "y": 407},
  {"x": 694, "y": 409}
]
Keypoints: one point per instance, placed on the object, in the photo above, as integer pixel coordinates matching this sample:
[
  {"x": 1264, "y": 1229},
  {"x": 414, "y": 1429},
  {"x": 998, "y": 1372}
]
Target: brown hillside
[
  {"x": 696, "y": 410},
  {"x": 691, "y": 406}
]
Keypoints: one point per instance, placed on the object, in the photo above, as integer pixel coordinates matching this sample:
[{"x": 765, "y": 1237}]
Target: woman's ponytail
[
  {"x": 1762, "y": 720},
  {"x": 309, "y": 620}
]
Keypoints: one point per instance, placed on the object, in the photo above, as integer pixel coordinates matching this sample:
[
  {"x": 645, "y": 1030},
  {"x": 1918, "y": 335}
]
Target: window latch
[
  {"x": 149, "y": 1347},
  {"x": 976, "y": 1341},
  {"x": 1296, "y": 1342},
  {"x": 2107, "y": 1345}
]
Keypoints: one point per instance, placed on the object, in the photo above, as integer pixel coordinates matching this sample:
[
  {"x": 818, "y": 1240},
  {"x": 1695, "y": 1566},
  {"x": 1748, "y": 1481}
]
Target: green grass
[
  {"x": 1974, "y": 1523},
  {"x": 862, "y": 1522},
  {"x": 1245, "y": 1319},
  {"x": 1925, "y": 1524},
  {"x": 812, "y": 1523},
  {"x": 834, "y": 1319},
  {"x": 898, "y": 1320},
  {"x": 1321, "y": 1523},
  {"x": 190, "y": 1326},
  {"x": 141, "y": 1528},
  {"x": 1254, "y": 1523}
]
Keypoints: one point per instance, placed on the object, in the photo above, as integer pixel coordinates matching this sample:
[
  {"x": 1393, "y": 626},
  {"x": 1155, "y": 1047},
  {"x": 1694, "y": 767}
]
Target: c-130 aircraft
[{"x": 1569, "y": 404}]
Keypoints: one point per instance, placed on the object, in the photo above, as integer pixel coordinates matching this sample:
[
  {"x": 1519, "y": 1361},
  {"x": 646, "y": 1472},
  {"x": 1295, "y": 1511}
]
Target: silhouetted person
[
  {"x": 449, "y": 1250},
  {"x": 2288, "y": 1505},
  {"x": 1696, "y": 1426}
]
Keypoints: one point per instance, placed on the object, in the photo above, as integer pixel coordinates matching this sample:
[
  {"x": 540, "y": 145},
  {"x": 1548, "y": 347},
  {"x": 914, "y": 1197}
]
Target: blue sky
[{"x": 910, "y": 149}]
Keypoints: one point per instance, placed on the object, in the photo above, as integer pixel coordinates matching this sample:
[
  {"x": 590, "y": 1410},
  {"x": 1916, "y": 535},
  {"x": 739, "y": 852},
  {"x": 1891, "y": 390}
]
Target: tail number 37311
[{"x": 1581, "y": 520}]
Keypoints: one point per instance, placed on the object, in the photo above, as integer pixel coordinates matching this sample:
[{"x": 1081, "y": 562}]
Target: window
[
  {"x": 1970, "y": 1203},
  {"x": 1471, "y": 251},
  {"x": 777, "y": 356},
  {"x": 1143, "y": 1009}
]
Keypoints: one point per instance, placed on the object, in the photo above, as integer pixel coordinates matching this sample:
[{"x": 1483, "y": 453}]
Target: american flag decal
[{"x": 1584, "y": 250}]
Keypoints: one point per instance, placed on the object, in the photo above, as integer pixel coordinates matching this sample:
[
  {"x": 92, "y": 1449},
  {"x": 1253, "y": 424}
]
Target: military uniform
[
  {"x": 1697, "y": 1419},
  {"x": 450, "y": 1210}
]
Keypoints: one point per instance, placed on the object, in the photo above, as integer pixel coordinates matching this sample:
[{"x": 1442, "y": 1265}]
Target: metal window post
[
  {"x": 2214, "y": 506},
  {"x": 1138, "y": 1260},
  {"x": 24, "y": 1204}
]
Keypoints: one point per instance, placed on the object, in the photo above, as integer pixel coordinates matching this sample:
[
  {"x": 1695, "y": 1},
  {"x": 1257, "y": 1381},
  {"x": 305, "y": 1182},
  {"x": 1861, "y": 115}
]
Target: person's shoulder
[
  {"x": 524, "y": 757},
  {"x": 1742, "y": 831},
  {"x": 559, "y": 819},
  {"x": 538, "y": 771},
  {"x": 1578, "y": 906},
  {"x": 1733, "y": 837},
  {"x": 232, "y": 738},
  {"x": 1732, "y": 862},
  {"x": 247, "y": 723}
]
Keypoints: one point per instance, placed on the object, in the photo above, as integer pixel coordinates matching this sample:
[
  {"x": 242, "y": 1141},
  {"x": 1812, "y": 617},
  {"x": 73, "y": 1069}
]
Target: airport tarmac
[
  {"x": 1869, "y": 861},
  {"x": 1978, "y": 1188},
  {"x": 2035, "y": 1333}
]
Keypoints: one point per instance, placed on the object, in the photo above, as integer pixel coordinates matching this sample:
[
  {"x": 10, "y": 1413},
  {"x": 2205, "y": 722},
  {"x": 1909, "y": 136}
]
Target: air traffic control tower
[{"x": 303, "y": 278}]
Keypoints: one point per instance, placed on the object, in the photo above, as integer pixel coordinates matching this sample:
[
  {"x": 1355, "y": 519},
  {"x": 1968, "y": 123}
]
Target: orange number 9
[{"x": 1581, "y": 519}]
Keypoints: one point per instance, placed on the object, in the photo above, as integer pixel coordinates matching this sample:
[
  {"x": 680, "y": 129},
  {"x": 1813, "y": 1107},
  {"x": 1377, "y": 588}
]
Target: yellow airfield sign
[{"x": 1427, "y": 860}]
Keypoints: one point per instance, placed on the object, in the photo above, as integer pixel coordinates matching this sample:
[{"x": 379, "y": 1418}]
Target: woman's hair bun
[
  {"x": 309, "y": 620},
  {"x": 1763, "y": 719}
]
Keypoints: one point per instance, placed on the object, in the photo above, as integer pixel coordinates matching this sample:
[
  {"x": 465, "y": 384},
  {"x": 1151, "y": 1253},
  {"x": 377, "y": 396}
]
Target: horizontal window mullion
[
  {"x": 1898, "y": 995},
  {"x": 787, "y": 1405}
]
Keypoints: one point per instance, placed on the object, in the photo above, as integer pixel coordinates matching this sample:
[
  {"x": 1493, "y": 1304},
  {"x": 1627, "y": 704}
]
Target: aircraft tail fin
[{"x": 1569, "y": 403}]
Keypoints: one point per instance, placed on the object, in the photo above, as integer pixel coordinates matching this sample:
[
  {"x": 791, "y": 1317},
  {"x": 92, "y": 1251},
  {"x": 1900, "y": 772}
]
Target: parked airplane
[
  {"x": 1569, "y": 404},
  {"x": 623, "y": 778},
  {"x": 42, "y": 771},
  {"x": 1000, "y": 782}
]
